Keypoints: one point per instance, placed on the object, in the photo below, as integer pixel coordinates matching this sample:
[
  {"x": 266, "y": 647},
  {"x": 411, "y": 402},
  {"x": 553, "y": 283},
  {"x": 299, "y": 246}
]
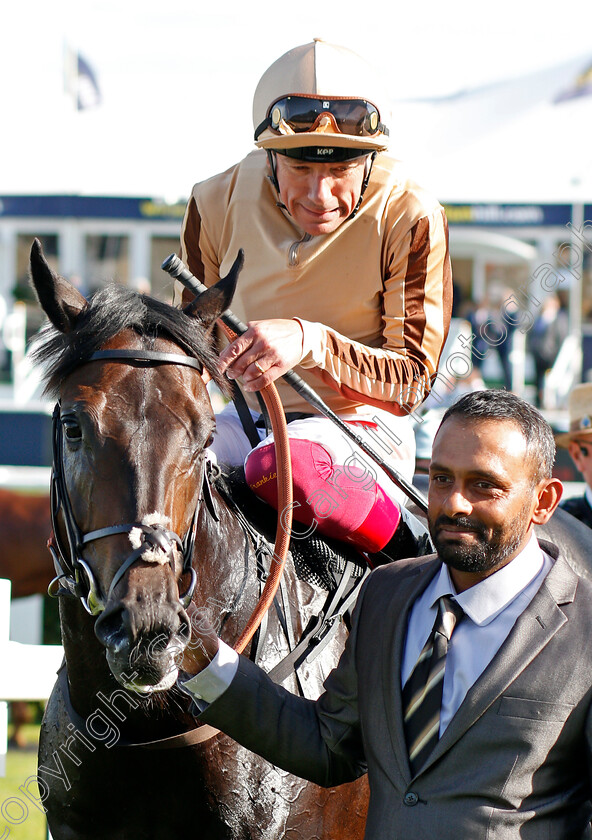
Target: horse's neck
[
  {"x": 88, "y": 672},
  {"x": 24, "y": 527},
  {"x": 226, "y": 564}
]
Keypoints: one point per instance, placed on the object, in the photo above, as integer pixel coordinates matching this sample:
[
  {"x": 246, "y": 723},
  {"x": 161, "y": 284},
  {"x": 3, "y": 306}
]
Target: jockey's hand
[
  {"x": 263, "y": 353},
  {"x": 203, "y": 645}
]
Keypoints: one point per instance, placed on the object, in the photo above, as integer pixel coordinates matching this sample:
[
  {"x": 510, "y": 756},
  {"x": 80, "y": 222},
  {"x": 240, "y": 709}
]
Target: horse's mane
[{"x": 110, "y": 311}]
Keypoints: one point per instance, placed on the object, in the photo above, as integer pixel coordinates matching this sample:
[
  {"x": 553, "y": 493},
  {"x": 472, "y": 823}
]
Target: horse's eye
[
  {"x": 209, "y": 441},
  {"x": 71, "y": 428}
]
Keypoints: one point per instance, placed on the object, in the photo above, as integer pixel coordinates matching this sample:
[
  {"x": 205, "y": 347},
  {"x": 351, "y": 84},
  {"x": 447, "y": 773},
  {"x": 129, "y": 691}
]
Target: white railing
[
  {"x": 564, "y": 374},
  {"x": 27, "y": 672},
  {"x": 27, "y": 381},
  {"x": 26, "y": 377}
]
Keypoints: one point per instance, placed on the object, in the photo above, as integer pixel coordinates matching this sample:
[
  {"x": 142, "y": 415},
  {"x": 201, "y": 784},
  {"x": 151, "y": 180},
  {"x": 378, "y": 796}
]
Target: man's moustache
[{"x": 462, "y": 522}]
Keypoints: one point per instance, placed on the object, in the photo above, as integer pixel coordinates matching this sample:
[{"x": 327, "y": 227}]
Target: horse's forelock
[{"x": 111, "y": 311}]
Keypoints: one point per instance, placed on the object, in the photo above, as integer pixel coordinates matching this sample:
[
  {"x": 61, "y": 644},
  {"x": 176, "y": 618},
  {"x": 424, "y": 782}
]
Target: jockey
[{"x": 346, "y": 278}]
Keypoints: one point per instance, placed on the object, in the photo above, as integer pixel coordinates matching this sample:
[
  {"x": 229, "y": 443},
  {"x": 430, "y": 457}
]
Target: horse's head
[{"x": 131, "y": 425}]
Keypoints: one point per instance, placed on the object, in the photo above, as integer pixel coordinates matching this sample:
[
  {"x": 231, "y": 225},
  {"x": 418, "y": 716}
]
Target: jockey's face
[{"x": 319, "y": 196}]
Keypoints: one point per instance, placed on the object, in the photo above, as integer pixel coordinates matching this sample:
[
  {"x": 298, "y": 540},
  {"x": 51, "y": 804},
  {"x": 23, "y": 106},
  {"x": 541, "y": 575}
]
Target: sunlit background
[
  {"x": 111, "y": 111},
  {"x": 176, "y": 81}
]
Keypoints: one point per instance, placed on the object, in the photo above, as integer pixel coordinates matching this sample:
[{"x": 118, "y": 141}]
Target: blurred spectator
[
  {"x": 458, "y": 300},
  {"x": 477, "y": 314},
  {"x": 578, "y": 441},
  {"x": 544, "y": 340},
  {"x": 492, "y": 333},
  {"x": 505, "y": 331}
]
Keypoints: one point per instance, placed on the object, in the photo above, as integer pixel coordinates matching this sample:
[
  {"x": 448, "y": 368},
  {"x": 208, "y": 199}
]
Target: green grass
[{"x": 19, "y": 814}]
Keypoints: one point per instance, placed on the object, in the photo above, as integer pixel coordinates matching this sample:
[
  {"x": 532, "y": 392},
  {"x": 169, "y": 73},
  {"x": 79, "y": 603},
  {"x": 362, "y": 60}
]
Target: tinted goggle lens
[{"x": 352, "y": 116}]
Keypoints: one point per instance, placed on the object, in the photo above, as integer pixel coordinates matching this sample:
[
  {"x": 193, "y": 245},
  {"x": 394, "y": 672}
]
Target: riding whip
[{"x": 174, "y": 266}]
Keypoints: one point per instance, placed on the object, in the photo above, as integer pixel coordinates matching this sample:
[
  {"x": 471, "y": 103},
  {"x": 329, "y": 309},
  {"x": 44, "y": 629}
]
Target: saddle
[{"x": 317, "y": 560}]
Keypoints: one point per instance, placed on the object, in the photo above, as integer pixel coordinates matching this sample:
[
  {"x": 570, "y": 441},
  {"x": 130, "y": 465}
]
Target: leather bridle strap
[
  {"x": 150, "y": 357},
  {"x": 197, "y": 735},
  {"x": 161, "y": 538}
]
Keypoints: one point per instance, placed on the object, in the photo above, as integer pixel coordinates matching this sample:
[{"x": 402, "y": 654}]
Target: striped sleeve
[
  {"x": 417, "y": 306},
  {"x": 195, "y": 251}
]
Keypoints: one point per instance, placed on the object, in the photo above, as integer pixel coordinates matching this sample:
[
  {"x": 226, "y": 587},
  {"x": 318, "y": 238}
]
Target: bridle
[{"x": 74, "y": 577}]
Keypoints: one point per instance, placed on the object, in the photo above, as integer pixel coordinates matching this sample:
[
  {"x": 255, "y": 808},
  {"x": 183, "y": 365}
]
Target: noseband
[{"x": 74, "y": 576}]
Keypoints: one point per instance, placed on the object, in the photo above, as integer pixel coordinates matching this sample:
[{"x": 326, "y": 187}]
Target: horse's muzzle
[{"x": 144, "y": 642}]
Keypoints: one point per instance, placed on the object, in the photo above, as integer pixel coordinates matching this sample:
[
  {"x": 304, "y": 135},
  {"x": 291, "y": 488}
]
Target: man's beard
[{"x": 488, "y": 551}]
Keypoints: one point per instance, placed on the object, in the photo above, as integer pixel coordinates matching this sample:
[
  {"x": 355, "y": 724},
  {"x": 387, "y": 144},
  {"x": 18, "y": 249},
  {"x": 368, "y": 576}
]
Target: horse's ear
[
  {"x": 59, "y": 299},
  {"x": 217, "y": 299}
]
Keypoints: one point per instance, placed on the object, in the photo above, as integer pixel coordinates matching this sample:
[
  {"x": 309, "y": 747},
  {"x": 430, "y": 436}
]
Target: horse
[
  {"x": 142, "y": 530},
  {"x": 24, "y": 529}
]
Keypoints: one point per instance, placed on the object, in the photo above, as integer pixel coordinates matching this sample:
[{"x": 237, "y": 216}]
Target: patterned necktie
[{"x": 422, "y": 693}]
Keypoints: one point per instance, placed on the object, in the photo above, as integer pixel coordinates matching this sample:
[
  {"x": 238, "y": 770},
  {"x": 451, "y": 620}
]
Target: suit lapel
[{"x": 532, "y": 632}]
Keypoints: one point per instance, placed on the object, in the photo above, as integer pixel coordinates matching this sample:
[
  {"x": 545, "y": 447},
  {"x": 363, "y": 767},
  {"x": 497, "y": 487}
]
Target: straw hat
[{"x": 580, "y": 414}]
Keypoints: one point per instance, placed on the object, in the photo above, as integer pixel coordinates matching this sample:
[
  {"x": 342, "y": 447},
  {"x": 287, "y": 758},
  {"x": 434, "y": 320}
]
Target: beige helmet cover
[
  {"x": 319, "y": 69},
  {"x": 580, "y": 415}
]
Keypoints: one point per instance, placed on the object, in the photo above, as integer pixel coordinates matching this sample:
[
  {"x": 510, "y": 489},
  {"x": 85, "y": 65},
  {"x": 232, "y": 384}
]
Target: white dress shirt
[
  {"x": 213, "y": 681},
  {"x": 491, "y": 606}
]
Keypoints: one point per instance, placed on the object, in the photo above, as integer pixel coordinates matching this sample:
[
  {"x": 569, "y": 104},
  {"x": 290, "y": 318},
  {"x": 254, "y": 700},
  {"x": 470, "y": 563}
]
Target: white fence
[{"x": 27, "y": 672}]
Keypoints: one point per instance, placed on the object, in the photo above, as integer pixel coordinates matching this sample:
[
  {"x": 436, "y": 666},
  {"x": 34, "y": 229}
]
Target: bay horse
[
  {"x": 141, "y": 530},
  {"x": 24, "y": 529}
]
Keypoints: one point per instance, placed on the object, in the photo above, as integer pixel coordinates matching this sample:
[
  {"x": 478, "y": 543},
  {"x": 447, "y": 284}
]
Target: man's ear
[{"x": 549, "y": 493}]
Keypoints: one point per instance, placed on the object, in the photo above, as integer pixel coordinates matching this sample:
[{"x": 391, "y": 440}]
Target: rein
[{"x": 279, "y": 428}]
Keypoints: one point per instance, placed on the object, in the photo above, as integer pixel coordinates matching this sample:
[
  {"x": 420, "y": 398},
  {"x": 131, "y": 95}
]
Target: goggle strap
[
  {"x": 381, "y": 128},
  {"x": 273, "y": 167},
  {"x": 261, "y": 127},
  {"x": 369, "y": 165}
]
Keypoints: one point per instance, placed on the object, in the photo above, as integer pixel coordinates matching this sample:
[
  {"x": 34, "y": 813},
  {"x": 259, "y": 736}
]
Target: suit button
[{"x": 411, "y": 799}]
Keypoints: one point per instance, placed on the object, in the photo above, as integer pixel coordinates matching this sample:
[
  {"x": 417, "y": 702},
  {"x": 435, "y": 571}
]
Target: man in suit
[
  {"x": 506, "y": 750},
  {"x": 578, "y": 441}
]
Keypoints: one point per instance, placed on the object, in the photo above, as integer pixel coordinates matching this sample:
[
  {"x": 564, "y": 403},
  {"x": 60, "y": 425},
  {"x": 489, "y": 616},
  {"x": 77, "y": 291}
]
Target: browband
[{"x": 147, "y": 356}]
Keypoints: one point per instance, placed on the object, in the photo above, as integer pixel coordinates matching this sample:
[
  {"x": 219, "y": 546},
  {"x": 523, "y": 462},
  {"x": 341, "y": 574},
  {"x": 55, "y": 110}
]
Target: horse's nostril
[
  {"x": 118, "y": 626},
  {"x": 184, "y": 626},
  {"x": 112, "y": 629}
]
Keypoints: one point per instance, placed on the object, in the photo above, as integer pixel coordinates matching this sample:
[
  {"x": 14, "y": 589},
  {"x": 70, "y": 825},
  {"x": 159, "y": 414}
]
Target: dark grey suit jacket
[
  {"x": 579, "y": 508},
  {"x": 514, "y": 761}
]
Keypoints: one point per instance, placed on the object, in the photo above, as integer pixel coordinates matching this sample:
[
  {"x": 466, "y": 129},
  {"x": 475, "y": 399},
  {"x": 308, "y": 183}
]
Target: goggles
[{"x": 355, "y": 117}]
